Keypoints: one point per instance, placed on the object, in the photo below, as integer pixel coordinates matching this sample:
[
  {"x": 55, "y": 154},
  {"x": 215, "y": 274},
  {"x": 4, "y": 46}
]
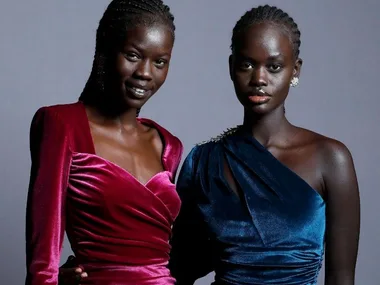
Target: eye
[
  {"x": 161, "y": 63},
  {"x": 131, "y": 56},
  {"x": 274, "y": 67},
  {"x": 246, "y": 65}
]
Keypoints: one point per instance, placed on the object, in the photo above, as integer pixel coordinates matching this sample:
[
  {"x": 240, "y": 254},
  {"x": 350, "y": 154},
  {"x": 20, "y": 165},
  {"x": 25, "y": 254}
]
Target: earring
[{"x": 294, "y": 82}]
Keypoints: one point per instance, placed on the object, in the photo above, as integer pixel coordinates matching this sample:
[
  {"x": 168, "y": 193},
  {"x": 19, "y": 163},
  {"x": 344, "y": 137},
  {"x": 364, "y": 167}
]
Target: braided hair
[
  {"x": 118, "y": 18},
  {"x": 269, "y": 14}
]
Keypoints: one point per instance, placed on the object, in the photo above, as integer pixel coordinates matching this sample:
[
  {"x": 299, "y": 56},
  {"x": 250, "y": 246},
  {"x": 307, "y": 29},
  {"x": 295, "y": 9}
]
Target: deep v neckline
[{"x": 144, "y": 121}]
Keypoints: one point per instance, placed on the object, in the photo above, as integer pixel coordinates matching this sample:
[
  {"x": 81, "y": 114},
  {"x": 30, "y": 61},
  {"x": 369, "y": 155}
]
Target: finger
[
  {"x": 78, "y": 270},
  {"x": 84, "y": 275},
  {"x": 78, "y": 278}
]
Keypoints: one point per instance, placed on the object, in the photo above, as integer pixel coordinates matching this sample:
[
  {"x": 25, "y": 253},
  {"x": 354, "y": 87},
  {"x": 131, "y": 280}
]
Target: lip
[
  {"x": 256, "y": 99},
  {"x": 131, "y": 88},
  {"x": 140, "y": 86},
  {"x": 259, "y": 97}
]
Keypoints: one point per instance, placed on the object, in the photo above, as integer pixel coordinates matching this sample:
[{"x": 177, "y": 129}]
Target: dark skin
[
  {"x": 265, "y": 59},
  {"x": 142, "y": 62}
]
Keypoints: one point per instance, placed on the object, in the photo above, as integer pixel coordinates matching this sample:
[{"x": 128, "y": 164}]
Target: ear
[
  {"x": 231, "y": 64},
  {"x": 297, "y": 68}
]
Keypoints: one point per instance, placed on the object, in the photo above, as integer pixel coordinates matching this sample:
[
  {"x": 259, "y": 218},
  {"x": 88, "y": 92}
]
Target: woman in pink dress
[{"x": 99, "y": 172}]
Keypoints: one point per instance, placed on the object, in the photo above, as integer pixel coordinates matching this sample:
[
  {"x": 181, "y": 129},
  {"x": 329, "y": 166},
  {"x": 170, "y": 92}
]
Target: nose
[
  {"x": 259, "y": 77},
  {"x": 144, "y": 70}
]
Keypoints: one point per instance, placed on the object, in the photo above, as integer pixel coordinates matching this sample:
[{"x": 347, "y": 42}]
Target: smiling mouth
[{"x": 138, "y": 92}]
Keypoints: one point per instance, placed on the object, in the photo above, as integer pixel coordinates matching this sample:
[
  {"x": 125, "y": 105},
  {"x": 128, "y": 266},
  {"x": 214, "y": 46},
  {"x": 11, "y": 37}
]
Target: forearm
[{"x": 339, "y": 278}]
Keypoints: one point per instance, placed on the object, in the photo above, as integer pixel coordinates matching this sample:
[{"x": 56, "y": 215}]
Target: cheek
[
  {"x": 241, "y": 79},
  {"x": 124, "y": 68},
  {"x": 281, "y": 82},
  {"x": 160, "y": 76}
]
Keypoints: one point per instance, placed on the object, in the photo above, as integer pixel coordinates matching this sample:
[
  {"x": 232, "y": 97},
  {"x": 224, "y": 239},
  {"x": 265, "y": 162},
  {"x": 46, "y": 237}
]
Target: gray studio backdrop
[{"x": 46, "y": 54}]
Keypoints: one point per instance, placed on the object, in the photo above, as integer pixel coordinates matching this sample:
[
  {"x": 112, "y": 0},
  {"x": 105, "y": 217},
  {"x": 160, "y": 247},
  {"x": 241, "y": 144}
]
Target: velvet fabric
[
  {"x": 273, "y": 233},
  {"x": 119, "y": 229}
]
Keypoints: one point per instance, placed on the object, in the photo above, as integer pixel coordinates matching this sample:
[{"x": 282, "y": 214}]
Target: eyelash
[
  {"x": 134, "y": 58},
  {"x": 247, "y": 65},
  {"x": 277, "y": 68},
  {"x": 131, "y": 56},
  {"x": 161, "y": 63}
]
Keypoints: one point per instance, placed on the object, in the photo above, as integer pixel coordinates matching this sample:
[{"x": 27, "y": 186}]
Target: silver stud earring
[{"x": 294, "y": 82}]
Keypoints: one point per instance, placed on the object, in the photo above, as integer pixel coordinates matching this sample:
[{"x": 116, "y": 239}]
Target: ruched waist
[
  {"x": 269, "y": 267},
  {"x": 112, "y": 274},
  {"x": 222, "y": 282},
  {"x": 137, "y": 254}
]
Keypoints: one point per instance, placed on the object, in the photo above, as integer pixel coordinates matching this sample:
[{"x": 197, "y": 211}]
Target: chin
[
  {"x": 259, "y": 109},
  {"x": 135, "y": 102}
]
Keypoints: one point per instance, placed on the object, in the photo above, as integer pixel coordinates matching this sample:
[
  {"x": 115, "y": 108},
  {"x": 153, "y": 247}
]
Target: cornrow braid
[
  {"x": 270, "y": 14},
  {"x": 118, "y": 18}
]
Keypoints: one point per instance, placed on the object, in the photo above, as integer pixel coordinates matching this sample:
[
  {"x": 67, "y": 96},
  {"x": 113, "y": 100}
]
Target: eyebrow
[
  {"x": 272, "y": 57},
  {"x": 139, "y": 49}
]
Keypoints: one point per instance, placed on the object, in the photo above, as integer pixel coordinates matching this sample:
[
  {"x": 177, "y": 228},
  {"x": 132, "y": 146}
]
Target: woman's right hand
[{"x": 71, "y": 273}]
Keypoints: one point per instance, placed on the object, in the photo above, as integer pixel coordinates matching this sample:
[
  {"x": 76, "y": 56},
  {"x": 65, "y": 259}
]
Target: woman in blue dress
[{"x": 262, "y": 202}]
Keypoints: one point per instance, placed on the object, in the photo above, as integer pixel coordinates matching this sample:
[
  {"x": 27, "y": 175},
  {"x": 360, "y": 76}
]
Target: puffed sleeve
[{"x": 45, "y": 214}]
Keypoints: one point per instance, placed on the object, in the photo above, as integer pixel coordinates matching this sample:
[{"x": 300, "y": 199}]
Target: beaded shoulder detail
[{"x": 226, "y": 133}]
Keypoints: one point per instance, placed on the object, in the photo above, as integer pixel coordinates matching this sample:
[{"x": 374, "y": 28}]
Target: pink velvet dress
[{"x": 119, "y": 228}]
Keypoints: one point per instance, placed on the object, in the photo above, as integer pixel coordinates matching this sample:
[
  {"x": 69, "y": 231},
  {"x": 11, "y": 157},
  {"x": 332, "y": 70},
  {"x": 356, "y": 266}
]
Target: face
[
  {"x": 141, "y": 65},
  {"x": 262, "y": 68}
]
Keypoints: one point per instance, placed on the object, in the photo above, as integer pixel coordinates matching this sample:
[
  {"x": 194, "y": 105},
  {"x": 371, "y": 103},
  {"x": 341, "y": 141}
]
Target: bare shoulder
[
  {"x": 329, "y": 150},
  {"x": 335, "y": 163}
]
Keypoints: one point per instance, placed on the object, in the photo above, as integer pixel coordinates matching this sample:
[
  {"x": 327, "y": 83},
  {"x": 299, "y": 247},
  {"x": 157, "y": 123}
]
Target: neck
[
  {"x": 267, "y": 129},
  {"x": 104, "y": 110}
]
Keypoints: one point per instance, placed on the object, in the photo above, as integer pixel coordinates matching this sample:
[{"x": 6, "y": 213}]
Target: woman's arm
[
  {"x": 191, "y": 254},
  {"x": 45, "y": 223},
  {"x": 343, "y": 214}
]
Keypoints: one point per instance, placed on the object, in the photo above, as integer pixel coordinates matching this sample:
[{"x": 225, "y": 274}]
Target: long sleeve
[
  {"x": 191, "y": 254},
  {"x": 45, "y": 222}
]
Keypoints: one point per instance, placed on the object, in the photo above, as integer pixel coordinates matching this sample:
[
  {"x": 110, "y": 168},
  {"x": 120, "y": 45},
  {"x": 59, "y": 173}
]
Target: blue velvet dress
[{"x": 273, "y": 233}]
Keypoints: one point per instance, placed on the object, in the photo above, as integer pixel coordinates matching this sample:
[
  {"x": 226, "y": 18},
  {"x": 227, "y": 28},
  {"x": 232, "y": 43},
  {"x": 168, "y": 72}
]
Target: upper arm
[
  {"x": 342, "y": 214},
  {"x": 50, "y": 154},
  {"x": 191, "y": 256}
]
